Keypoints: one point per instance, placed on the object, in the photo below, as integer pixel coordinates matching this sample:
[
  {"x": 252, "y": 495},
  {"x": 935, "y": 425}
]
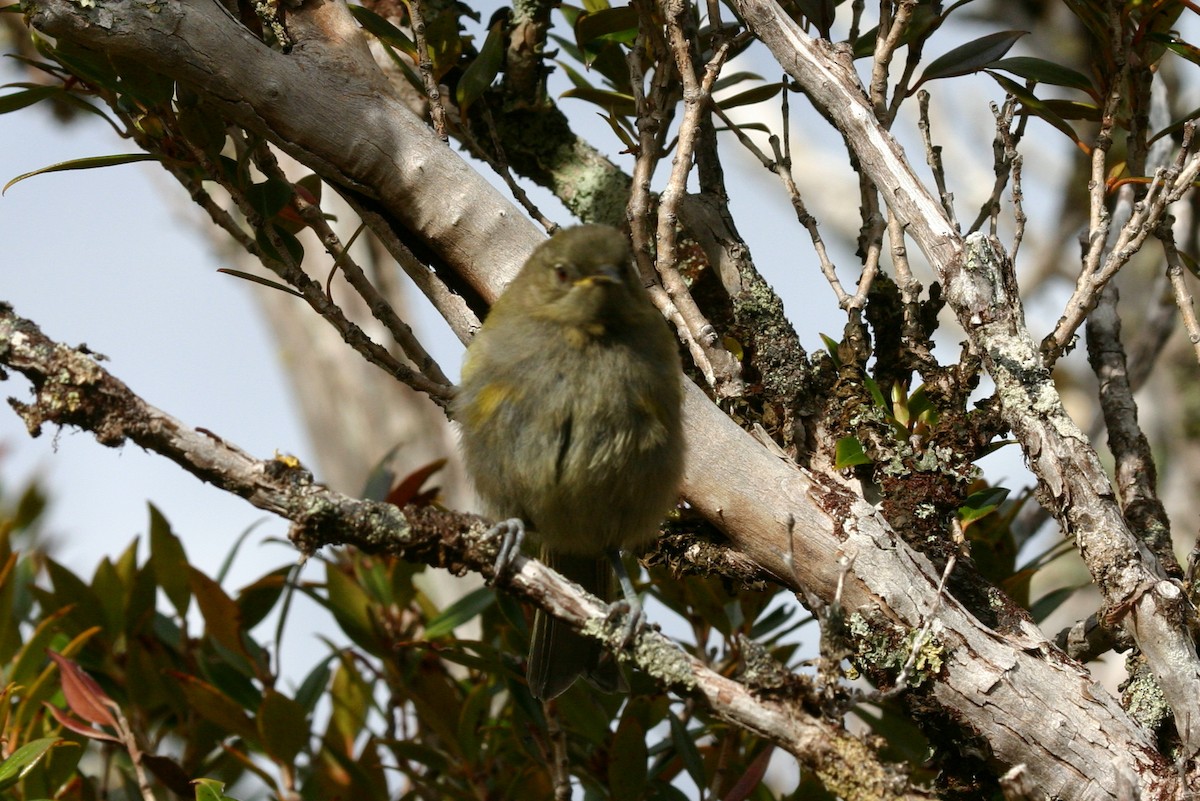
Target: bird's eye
[{"x": 560, "y": 274}]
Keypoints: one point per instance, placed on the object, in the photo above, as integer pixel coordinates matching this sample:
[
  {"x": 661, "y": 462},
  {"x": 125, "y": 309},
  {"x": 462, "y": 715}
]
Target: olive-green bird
[{"x": 570, "y": 408}]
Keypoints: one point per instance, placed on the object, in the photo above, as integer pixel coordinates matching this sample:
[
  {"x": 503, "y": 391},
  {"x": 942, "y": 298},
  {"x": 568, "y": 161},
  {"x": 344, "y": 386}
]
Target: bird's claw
[
  {"x": 511, "y": 533},
  {"x": 635, "y": 620}
]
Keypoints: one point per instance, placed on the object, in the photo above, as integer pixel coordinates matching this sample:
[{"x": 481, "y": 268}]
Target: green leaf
[
  {"x": 970, "y": 57},
  {"x": 169, "y": 561},
  {"x": 614, "y": 102},
  {"x": 919, "y": 404},
  {"x": 480, "y": 73},
  {"x": 20, "y": 100},
  {"x": 850, "y": 453},
  {"x": 751, "y": 96},
  {"x": 259, "y": 280},
  {"x": 685, "y": 746},
  {"x": 1179, "y": 47},
  {"x": 351, "y": 607},
  {"x": 222, "y": 618},
  {"x": 832, "y": 346},
  {"x": 384, "y": 31},
  {"x": 734, "y": 78},
  {"x": 268, "y": 198},
  {"x": 982, "y": 503},
  {"x": 1043, "y": 607},
  {"x": 256, "y": 600},
  {"x": 621, "y": 129},
  {"x": 24, "y": 759},
  {"x": 873, "y": 388},
  {"x": 85, "y": 164},
  {"x": 1036, "y": 107},
  {"x": 70, "y": 590},
  {"x": 459, "y": 612},
  {"x": 217, "y": 707},
  {"x": 291, "y": 245},
  {"x": 618, "y": 25},
  {"x": 312, "y": 689},
  {"x": 211, "y": 790},
  {"x": 1043, "y": 71},
  {"x": 283, "y": 727},
  {"x": 1073, "y": 109}
]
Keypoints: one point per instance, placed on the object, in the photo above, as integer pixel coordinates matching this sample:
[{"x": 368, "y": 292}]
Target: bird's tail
[{"x": 558, "y": 655}]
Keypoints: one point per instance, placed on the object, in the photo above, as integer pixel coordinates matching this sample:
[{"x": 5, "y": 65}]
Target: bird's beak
[{"x": 608, "y": 274}]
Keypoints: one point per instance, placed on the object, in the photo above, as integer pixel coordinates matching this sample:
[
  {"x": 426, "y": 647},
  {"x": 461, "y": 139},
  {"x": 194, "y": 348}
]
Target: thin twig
[
  {"x": 716, "y": 363},
  {"x": 1003, "y": 151},
  {"x": 1169, "y": 185},
  {"x": 933, "y": 157},
  {"x": 560, "y": 765},
  {"x": 437, "y": 111},
  {"x": 499, "y": 164},
  {"x": 1183, "y": 295},
  {"x": 891, "y": 31},
  {"x": 376, "y": 303}
]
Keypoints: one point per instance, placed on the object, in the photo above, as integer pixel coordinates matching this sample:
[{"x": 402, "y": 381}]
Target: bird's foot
[
  {"x": 635, "y": 620},
  {"x": 511, "y": 533}
]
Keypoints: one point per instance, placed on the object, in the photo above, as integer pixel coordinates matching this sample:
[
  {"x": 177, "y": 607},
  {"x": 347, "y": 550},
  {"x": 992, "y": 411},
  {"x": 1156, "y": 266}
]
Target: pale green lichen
[
  {"x": 876, "y": 646},
  {"x": 653, "y": 654},
  {"x": 1144, "y": 701}
]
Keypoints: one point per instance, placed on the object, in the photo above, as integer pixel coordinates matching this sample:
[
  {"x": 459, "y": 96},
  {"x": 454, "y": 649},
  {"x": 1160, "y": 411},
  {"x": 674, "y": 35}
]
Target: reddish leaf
[
  {"x": 752, "y": 778},
  {"x": 83, "y": 694},
  {"x": 78, "y": 726},
  {"x": 407, "y": 489}
]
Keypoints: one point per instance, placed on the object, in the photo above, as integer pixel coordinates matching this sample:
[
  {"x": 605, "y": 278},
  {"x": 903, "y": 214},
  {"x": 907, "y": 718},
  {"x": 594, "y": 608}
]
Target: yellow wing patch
[{"x": 487, "y": 401}]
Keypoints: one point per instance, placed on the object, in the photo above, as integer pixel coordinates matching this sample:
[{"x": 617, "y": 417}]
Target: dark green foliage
[{"x": 408, "y": 695}]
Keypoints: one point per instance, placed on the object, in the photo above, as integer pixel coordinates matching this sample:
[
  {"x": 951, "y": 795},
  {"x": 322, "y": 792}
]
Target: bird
[{"x": 570, "y": 413}]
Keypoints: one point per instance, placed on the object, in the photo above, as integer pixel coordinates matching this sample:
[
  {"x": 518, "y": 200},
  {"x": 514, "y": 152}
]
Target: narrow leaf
[
  {"x": 751, "y": 96},
  {"x": 259, "y": 280},
  {"x": 478, "y": 76},
  {"x": 24, "y": 759},
  {"x": 1043, "y": 71},
  {"x": 970, "y": 57},
  {"x": 460, "y": 612},
  {"x": 20, "y": 100},
  {"x": 615, "y": 102},
  {"x": 982, "y": 503},
  {"x": 1044, "y": 606},
  {"x": 169, "y": 561},
  {"x": 383, "y": 30},
  {"x": 1036, "y": 107},
  {"x": 84, "y": 164},
  {"x": 685, "y": 746},
  {"x": 618, "y": 24},
  {"x": 78, "y": 726}
]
